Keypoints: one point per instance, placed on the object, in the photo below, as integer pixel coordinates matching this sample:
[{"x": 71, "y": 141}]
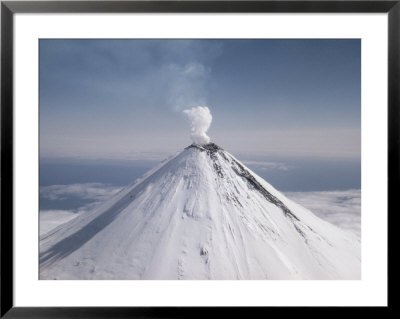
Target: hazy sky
[{"x": 123, "y": 99}]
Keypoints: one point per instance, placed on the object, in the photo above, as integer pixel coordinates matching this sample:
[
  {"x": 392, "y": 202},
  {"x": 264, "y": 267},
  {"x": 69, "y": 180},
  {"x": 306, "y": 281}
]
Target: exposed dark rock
[
  {"x": 242, "y": 172},
  {"x": 218, "y": 168},
  {"x": 233, "y": 198},
  {"x": 210, "y": 147},
  {"x": 213, "y": 148},
  {"x": 302, "y": 234},
  {"x": 203, "y": 251}
]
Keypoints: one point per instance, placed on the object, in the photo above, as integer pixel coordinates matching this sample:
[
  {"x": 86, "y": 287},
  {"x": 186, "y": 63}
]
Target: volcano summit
[{"x": 201, "y": 214}]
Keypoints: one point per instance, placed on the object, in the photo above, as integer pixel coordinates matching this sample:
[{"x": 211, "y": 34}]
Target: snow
[{"x": 199, "y": 215}]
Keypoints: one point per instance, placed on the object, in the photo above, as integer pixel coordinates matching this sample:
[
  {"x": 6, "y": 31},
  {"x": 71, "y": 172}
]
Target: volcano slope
[{"x": 201, "y": 214}]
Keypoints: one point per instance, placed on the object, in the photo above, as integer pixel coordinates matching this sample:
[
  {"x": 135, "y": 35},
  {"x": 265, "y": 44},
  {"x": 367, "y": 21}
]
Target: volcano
[{"x": 201, "y": 214}]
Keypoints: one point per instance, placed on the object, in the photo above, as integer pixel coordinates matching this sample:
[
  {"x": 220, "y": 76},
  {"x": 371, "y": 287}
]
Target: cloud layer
[
  {"x": 50, "y": 219},
  {"x": 88, "y": 191},
  {"x": 95, "y": 193},
  {"x": 266, "y": 166},
  {"x": 342, "y": 208}
]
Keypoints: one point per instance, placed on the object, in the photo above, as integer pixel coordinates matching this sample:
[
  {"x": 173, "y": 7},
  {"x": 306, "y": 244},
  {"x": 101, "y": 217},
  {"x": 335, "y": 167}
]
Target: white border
[{"x": 371, "y": 290}]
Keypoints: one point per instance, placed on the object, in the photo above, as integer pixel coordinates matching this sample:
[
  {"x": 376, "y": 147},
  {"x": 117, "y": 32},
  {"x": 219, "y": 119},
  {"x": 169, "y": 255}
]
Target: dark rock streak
[{"x": 212, "y": 149}]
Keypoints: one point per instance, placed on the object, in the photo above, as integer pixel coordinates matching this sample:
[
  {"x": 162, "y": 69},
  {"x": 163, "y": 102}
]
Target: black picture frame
[{"x": 9, "y": 8}]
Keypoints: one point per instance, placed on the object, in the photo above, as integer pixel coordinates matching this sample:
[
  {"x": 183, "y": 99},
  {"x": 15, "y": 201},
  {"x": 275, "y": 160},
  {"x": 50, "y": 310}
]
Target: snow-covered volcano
[{"x": 199, "y": 215}]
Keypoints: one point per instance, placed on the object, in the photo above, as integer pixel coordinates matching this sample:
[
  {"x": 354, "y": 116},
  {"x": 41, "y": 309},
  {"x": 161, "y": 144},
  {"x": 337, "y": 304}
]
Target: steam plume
[{"x": 200, "y": 118}]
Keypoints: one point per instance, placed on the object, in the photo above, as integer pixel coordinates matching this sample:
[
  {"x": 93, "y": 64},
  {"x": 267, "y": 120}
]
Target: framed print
[{"x": 165, "y": 157}]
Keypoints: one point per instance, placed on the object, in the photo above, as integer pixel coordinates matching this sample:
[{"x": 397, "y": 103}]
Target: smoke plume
[{"x": 200, "y": 118}]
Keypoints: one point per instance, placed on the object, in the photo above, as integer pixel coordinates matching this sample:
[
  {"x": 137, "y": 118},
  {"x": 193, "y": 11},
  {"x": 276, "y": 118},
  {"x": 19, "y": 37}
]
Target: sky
[
  {"x": 124, "y": 99},
  {"x": 288, "y": 109}
]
